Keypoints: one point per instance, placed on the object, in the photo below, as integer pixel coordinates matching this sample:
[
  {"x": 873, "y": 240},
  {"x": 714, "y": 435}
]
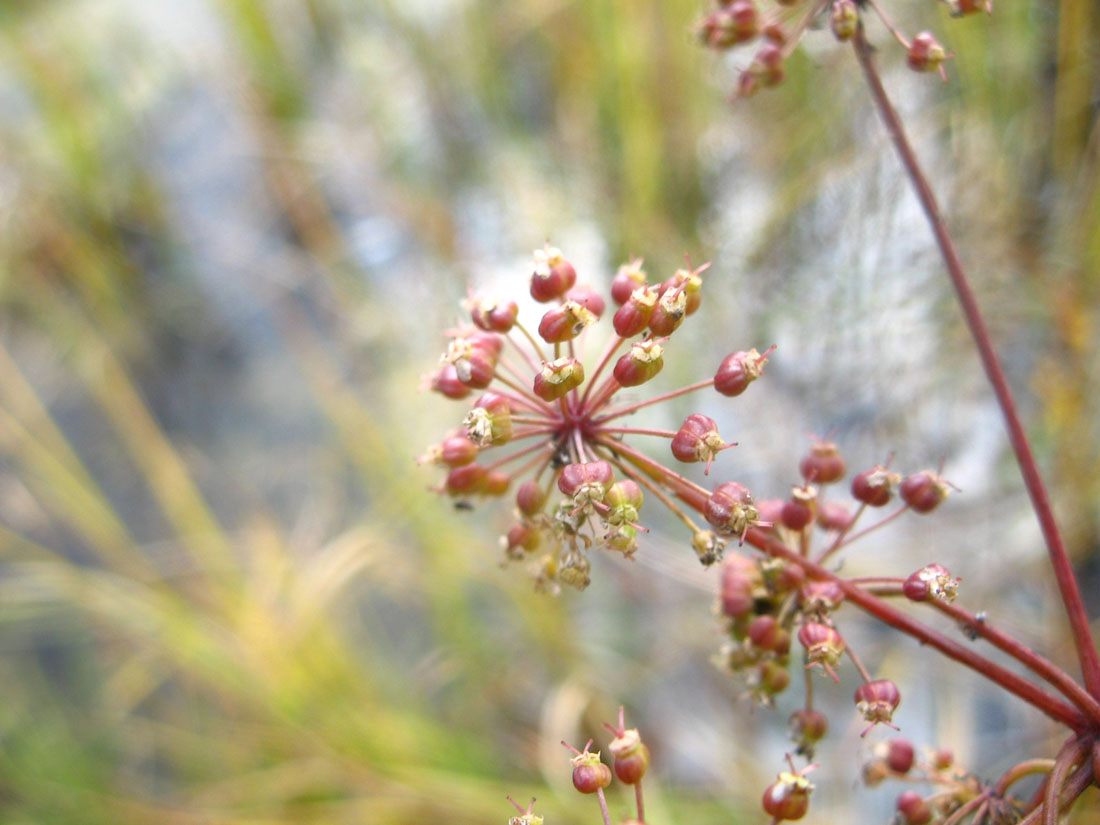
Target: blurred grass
[{"x": 227, "y": 598}]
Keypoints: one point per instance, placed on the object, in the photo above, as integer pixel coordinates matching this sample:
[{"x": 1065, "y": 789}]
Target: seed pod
[
  {"x": 799, "y": 510},
  {"x": 445, "y": 382},
  {"x": 767, "y": 65},
  {"x": 807, "y": 728},
  {"x": 698, "y": 440},
  {"x": 933, "y": 581},
  {"x": 900, "y": 755},
  {"x": 465, "y": 479},
  {"x": 876, "y": 701},
  {"x": 556, "y": 378},
  {"x": 588, "y": 298},
  {"x": 913, "y": 809},
  {"x": 492, "y": 315},
  {"x": 823, "y": 464},
  {"x": 631, "y": 756},
  {"x": 591, "y": 777},
  {"x": 924, "y": 491},
  {"x": 530, "y": 498},
  {"x": 586, "y": 482},
  {"x": 824, "y": 645},
  {"x": 730, "y": 509},
  {"x": 643, "y": 362},
  {"x": 875, "y": 487},
  {"x": 844, "y": 19},
  {"x": 630, "y": 277},
  {"x": 669, "y": 313},
  {"x": 553, "y": 275},
  {"x": 788, "y": 797},
  {"x": 738, "y": 370},
  {"x": 564, "y": 323},
  {"x": 925, "y": 53},
  {"x": 633, "y": 316}
]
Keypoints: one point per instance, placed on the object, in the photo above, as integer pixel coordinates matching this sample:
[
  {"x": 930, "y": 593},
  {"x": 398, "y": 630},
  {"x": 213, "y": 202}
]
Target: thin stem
[
  {"x": 638, "y": 800},
  {"x": 612, "y": 347},
  {"x": 539, "y": 404},
  {"x": 649, "y": 485},
  {"x": 650, "y": 401},
  {"x": 842, "y": 542},
  {"x": 863, "y": 674},
  {"x": 1018, "y": 772},
  {"x": 658, "y": 472},
  {"x": 530, "y": 339},
  {"x": 1040, "y": 502},
  {"x": 635, "y": 431},
  {"x": 603, "y": 806},
  {"x": 500, "y": 462},
  {"x": 1036, "y": 663}
]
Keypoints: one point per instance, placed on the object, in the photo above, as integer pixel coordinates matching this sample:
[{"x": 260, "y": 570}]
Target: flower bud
[
  {"x": 739, "y": 370},
  {"x": 933, "y": 581},
  {"x": 730, "y": 509},
  {"x": 875, "y": 487},
  {"x": 556, "y": 378},
  {"x": 913, "y": 809},
  {"x": 633, "y": 316},
  {"x": 823, "y": 463},
  {"x": 629, "y": 278},
  {"x": 876, "y": 701},
  {"x": 553, "y": 275},
  {"x": 844, "y": 19},
  {"x": 698, "y": 440},
  {"x": 564, "y": 323},
  {"x": 643, "y": 362},
  {"x": 923, "y": 491}
]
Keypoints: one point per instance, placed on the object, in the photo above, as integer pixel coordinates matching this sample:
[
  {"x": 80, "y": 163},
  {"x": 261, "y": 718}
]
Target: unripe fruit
[
  {"x": 923, "y": 491},
  {"x": 730, "y": 509},
  {"x": 913, "y": 809},
  {"x": 877, "y": 701},
  {"x": 788, "y": 797},
  {"x": 629, "y": 278},
  {"x": 493, "y": 316},
  {"x": 875, "y": 487},
  {"x": 834, "y": 515},
  {"x": 557, "y": 378},
  {"x": 738, "y": 370},
  {"x": 807, "y": 727},
  {"x": 933, "y": 581},
  {"x": 588, "y": 298},
  {"x": 586, "y": 482},
  {"x": 553, "y": 275},
  {"x": 465, "y": 479},
  {"x": 925, "y": 53},
  {"x": 633, "y": 316},
  {"x": 767, "y": 65},
  {"x": 697, "y": 440},
  {"x": 900, "y": 755},
  {"x": 445, "y": 381},
  {"x": 669, "y": 313},
  {"x": 823, "y": 464},
  {"x": 631, "y": 756},
  {"x": 530, "y": 498},
  {"x": 591, "y": 777},
  {"x": 564, "y": 323},
  {"x": 495, "y": 483},
  {"x": 844, "y": 19},
  {"x": 799, "y": 510},
  {"x": 643, "y": 362}
]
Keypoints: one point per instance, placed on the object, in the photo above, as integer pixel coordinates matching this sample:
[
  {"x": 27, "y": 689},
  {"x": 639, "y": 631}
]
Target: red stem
[{"x": 1059, "y": 558}]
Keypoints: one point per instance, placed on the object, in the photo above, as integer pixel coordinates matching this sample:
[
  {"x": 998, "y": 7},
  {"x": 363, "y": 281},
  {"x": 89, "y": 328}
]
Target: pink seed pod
[
  {"x": 630, "y": 277},
  {"x": 465, "y": 479},
  {"x": 445, "y": 382},
  {"x": 630, "y": 752},
  {"x": 564, "y": 323},
  {"x": 765, "y": 633},
  {"x": 669, "y": 313},
  {"x": 823, "y": 464},
  {"x": 741, "y": 579},
  {"x": 495, "y": 483},
  {"x": 738, "y": 370},
  {"x": 912, "y": 809},
  {"x": 933, "y": 581},
  {"x": 900, "y": 755},
  {"x": 644, "y": 360},
  {"x": 493, "y": 316},
  {"x": 730, "y": 510},
  {"x": 771, "y": 679},
  {"x": 807, "y": 727},
  {"x": 745, "y": 20},
  {"x": 521, "y": 539},
  {"x": 457, "y": 450},
  {"x": 530, "y": 498},
  {"x": 875, "y": 487},
  {"x": 556, "y": 378},
  {"x": 632, "y": 318},
  {"x": 924, "y": 491},
  {"x": 767, "y": 65},
  {"x": 698, "y": 440},
  {"x": 489, "y": 423},
  {"x": 552, "y": 276},
  {"x": 624, "y": 498},
  {"x": 591, "y": 777},
  {"x": 770, "y": 509},
  {"x": 799, "y": 510},
  {"x": 824, "y": 646},
  {"x": 587, "y": 297},
  {"x": 820, "y": 597},
  {"x": 876, "y": 701},
  {"x": 688, "y": 280},
  {"x": 788, "y": 797},
  {"x": 586, "y": 482},
  {"x": 834, "y": 515},
  {"x": 925, "y": 53}
]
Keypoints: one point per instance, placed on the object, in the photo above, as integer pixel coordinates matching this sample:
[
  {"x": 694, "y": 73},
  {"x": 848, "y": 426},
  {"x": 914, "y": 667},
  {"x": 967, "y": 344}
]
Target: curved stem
[{"x": 1040, "y": 502}]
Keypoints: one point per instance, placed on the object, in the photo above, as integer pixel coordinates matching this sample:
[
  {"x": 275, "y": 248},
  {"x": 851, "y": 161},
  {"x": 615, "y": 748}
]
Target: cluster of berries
[
  {"x": 959, "y": 795},
  {"x": 779, "y": 27},
  {"x": 536, "y": 390},
  {"x": 768, "y": 601}
]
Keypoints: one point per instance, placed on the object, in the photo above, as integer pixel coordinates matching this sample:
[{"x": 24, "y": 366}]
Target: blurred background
[{"x": 232, "y": 233}]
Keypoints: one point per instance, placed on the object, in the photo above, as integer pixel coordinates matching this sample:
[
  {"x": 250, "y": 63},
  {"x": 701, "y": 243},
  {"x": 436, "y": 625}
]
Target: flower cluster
[
  {"x": 557, "y": 425},
  {"x": 777, "y": 27}
]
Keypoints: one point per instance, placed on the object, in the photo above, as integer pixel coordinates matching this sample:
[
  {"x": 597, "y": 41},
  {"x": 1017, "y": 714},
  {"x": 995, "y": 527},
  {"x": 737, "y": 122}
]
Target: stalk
[{"x": 1040, "y": 501}]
